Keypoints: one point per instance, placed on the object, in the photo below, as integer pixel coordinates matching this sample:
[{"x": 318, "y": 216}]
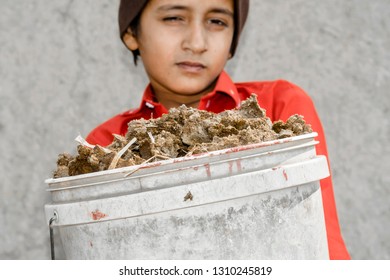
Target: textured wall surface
[{"x": 63, "y": 70}]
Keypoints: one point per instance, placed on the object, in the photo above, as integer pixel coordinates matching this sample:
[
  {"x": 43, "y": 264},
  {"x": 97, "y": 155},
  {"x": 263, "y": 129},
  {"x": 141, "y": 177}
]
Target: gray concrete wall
[{"x": 63, "y": 70}]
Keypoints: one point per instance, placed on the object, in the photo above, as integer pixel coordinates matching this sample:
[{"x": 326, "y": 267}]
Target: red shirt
[{"x": 280, "y": 99}]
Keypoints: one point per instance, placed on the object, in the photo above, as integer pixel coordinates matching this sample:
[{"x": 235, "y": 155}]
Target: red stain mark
[
  {"x": 97, "y": 215},
  {"x": 152, "y": 164},
  {"x": 196, "y": 168},
  {"x": 207, "y": 166},
  {"x": 230, "y": 167},
  {"x": 275, "y": 168},
  {"x": 239, "y": 168},
  {"x": 285, "y": 175}
]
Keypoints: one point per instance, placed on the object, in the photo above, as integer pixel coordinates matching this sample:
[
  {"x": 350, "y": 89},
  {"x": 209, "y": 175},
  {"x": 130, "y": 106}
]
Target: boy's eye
[
  {"x": 218, "y": 22},
  {"x": 170, "y": 19}
]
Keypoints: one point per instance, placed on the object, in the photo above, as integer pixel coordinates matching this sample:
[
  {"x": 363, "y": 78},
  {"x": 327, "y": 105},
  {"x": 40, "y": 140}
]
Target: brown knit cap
[{"x": 130, "y": 9}]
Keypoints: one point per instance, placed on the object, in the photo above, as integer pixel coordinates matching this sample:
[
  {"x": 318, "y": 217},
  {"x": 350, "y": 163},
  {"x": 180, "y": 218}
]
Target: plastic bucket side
[{"x": 283, "y": 202}]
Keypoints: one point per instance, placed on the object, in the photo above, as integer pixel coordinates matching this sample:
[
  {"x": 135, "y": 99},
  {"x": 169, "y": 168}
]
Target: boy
[{"x": 184, "y": 46}]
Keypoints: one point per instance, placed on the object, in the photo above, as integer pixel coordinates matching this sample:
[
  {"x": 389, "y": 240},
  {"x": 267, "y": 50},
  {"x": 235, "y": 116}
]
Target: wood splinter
[{"x": 115, "y": 160}]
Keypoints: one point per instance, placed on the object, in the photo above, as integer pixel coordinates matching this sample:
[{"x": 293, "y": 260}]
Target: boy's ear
[{"x": 130, "y": 40}]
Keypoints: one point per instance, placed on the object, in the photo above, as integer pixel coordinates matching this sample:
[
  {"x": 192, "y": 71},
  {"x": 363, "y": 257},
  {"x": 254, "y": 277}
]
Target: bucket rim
[{"x": 182, "y": 159}]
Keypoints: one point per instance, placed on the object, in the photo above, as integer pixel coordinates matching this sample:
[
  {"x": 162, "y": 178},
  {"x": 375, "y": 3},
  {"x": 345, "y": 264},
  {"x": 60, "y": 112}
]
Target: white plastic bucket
[{"x": 260, "y": 201}]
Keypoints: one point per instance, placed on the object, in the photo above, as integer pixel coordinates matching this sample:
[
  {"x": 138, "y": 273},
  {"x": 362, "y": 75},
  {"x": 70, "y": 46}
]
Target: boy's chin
[
  {"x": 193, "y": 86},
  {"x": 191, "y": 91}
]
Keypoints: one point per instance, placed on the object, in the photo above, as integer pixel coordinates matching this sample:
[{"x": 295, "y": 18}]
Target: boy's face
[{"x": 184, "y": 44}]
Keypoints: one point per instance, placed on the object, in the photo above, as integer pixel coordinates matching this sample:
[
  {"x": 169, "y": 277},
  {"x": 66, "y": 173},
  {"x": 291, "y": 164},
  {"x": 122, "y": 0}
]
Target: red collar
[{"x": 223, "y": 86}]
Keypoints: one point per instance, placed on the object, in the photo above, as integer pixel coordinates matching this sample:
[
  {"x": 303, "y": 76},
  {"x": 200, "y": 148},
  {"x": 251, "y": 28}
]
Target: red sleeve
[
  {"x": 100, "y": 136},
  {"x": 289, "y": 100},
  {"x": 103, "y": 134}
]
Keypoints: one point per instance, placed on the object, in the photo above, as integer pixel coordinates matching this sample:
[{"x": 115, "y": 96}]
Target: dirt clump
[{"x": 182, "y": 132}]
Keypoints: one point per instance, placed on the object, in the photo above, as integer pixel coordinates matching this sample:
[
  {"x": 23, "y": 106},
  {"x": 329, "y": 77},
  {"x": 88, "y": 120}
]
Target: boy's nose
[{"x": 195, "y": 39}]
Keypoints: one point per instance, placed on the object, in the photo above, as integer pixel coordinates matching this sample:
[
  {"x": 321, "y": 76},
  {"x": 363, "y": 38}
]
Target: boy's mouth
[{"x": 190, "y": 66}]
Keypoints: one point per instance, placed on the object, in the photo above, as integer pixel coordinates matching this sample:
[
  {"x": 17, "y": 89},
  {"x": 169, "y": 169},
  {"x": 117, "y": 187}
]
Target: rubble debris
[{"x": 183, "y": 131}]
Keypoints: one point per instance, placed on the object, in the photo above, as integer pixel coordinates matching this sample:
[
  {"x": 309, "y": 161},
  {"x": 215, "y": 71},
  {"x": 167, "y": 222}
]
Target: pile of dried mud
[{"x": 184, "y": 131}]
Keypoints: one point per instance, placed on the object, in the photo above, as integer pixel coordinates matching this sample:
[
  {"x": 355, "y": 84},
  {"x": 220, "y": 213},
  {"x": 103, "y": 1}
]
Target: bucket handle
[{"x": 51, "y": 233}]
